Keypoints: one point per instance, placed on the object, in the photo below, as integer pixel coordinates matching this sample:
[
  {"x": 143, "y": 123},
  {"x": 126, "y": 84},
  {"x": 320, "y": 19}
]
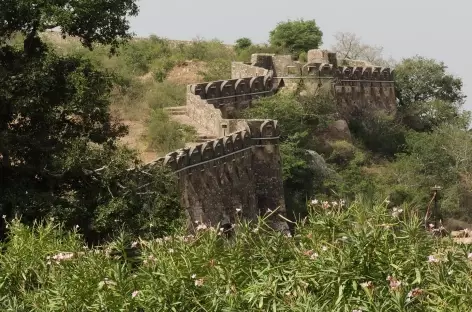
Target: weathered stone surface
[
  {"x": 318, "y": 56},
  {"x": 240, "y": 70},
  {"x": 338, "y": 130},
  {"x": 240, "y": 172}
]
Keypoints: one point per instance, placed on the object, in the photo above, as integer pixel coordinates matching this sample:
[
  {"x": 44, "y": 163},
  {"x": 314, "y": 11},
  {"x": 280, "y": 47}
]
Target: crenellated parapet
[
  {"x": 364, "y": 88},
  {"x": 219, "y": 93},
  {"x": 376, "y": 74},
  {"x": 258, "y": 132},
  {"x": 239, "y": 172}
]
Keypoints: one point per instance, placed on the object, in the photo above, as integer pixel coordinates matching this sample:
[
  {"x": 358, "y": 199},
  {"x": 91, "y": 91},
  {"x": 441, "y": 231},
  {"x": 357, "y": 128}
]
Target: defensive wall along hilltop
[
  {"x": 241, "y": 169},
  {"x": 235, "y": 175}
]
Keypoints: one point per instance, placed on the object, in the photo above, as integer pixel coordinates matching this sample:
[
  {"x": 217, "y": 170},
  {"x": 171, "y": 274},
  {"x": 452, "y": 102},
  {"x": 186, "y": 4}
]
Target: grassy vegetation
[
  {"x": 361, "y": 257},
  {"x": 141, "y": 89}
]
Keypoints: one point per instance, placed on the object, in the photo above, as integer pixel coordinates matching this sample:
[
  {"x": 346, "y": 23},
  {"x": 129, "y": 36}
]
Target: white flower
[
  {"x": 469, "y": 256},
  {"x": 334, "y": 203},
  {"x": 194, "y": 276},
  {"x": 342, "y": 202},
  {"x": 314, "y": 202},
  {"x": 238, "y": 210},
  {"x": 199, "y": 282},
  {"x": 171, "y": 250},
  {"x": 368, "y": 285},
  {"x": 324, "y": 248},
  {"x": 396, "y": 212},
  {"x": 433, "y": 259},
  {"x": 134, "y": 294},
  {"x": 134, "y": 244},
  {"x": 202, "y": 227}
]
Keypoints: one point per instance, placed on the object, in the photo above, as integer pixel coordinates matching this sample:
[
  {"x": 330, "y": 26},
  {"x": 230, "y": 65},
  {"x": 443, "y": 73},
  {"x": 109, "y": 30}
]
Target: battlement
[
  {"x": 258, "y": 133},
  {"x": 235, "y": 90},
  {"x": 237, "y": 172},
  {"x": 364, "y": 73},
  {"x": 241, "y": 170}
]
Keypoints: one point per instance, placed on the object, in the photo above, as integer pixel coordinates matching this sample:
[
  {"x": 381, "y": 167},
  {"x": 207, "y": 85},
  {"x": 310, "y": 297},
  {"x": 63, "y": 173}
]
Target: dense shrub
[
  {"x": 363, "y": 257},
  {"x": 165, "y": 135}
]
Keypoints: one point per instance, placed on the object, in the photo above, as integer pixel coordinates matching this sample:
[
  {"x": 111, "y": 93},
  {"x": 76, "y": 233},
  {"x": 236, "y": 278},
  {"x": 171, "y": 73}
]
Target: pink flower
[
  {"x": 394, "y": 283},
  {"x": 414, "y": 293},
  {"x": 134, "y": 294}
]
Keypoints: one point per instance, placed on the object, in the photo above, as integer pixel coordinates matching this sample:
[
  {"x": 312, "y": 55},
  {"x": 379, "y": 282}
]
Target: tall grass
[{"x": 357, "y": 258}]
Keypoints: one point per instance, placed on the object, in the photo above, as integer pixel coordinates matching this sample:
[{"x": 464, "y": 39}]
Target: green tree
[
  {"x": 242, "y": 44},
  {"x": 93, "y": 21},
  {"x": 296, "y": 36},
  {"x": 428, "y": 95},
  {"x": 440, "y": 157},
  {"x": 58, "y": 141},
  {"x": 419, "y": 79},
  {"x": 303, "y": 172}
]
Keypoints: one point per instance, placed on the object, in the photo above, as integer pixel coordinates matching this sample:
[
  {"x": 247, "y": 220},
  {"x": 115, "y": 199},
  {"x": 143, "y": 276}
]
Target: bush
[
  {"x": 218, "y": 69},
  {"x": 165, "y": 135},
  {"x": 360, "y": 257},
  {"x": 166, "y": 94},
  {"x": 343, "y": 152}
]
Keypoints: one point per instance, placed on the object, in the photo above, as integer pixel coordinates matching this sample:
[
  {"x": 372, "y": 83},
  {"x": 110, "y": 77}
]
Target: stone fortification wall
[
  {"x": 213, "y": 104},
  {"x": 355, "y": 87},
  {"x": 241, "y": 171},
  {"x": 238, "y": 173},
  {"x": 365, "y": 88}
]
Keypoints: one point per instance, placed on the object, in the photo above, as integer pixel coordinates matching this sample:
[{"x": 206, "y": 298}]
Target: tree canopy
[
  {"x": 93, "y": 21},
  {"x": 58, "y": 141},
  {"x": 243, "y": 43},
  {"x": 296, "y": 36},
  {"x": 420, "y": 79},
  {"x": 428, "y": 95}
]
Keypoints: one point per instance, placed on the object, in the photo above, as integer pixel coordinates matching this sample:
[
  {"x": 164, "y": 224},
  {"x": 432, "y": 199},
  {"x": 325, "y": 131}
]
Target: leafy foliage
[
  {"x": 242, "y": 44},
  {"x": 420, "y": 79},
  {"x": 100, "y": 21},
  {"x": 166, "y": 135},
  {"x": 58, "y": 148},
  {"x": 296, "y": 36},
  {"x": 308, "y": 115},
  {"x": 342, "y": 258}
]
